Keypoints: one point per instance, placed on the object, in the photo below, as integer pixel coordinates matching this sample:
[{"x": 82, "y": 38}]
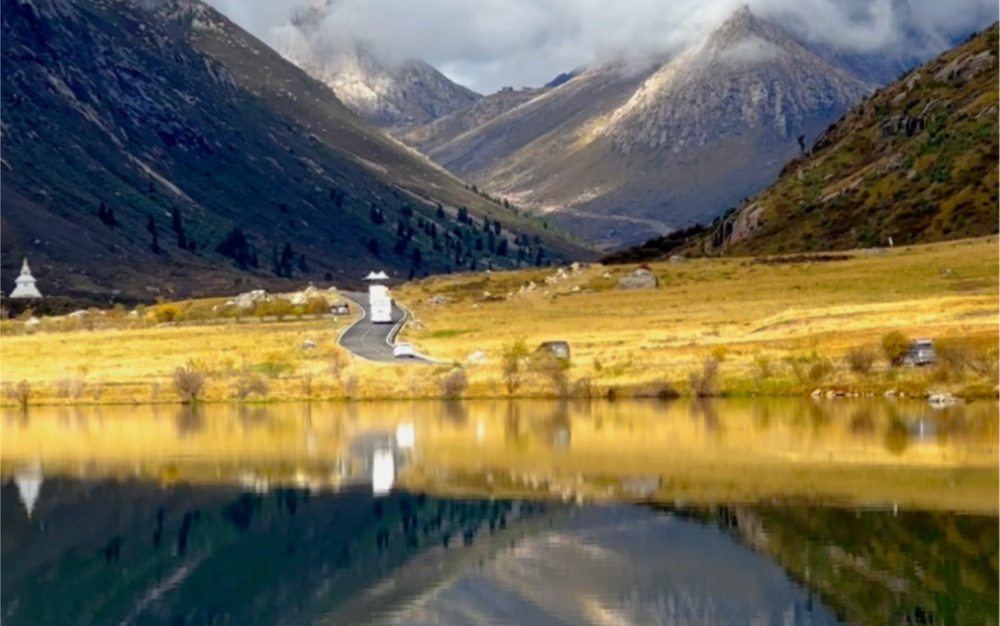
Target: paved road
[{"x": 373, "y": 341}]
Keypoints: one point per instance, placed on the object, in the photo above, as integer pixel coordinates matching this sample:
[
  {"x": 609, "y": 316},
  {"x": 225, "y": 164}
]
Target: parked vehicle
[
  {"x": 401, "y": 350},
  {"x": 921, "y": 353},
  {"x": 556, "y": 349},
  {"x": 340, "y": 309}
]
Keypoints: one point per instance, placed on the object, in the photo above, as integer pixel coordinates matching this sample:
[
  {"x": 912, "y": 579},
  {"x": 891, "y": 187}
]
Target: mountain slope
[
  {"x": 388, "y": 95},
  {"x": 668, "y": 143},
  {"x": 916, "y": 162},
  {"x": 178, "y": 121},
  {"x": 449, "y": 127}
]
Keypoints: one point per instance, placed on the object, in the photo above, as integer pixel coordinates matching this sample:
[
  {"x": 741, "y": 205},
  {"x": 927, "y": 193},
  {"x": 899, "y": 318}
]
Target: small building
[{"x": 25, "y": 284}]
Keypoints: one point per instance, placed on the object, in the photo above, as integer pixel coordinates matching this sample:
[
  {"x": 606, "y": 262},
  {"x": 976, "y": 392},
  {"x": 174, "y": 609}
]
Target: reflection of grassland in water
[
  {"x": 849, "y": 451},
  {"x": 919, "y": 567},
  {"x": 778, "y": 329}
]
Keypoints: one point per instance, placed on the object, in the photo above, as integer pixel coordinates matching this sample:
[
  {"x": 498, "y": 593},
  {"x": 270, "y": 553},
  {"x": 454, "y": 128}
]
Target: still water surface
[{"x": 729, "y": 512}]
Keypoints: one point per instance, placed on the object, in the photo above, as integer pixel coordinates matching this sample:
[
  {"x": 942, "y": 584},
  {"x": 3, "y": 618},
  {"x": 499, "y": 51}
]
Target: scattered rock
[
  {"x": 575, "y": 289},
  {"x": 676, "y": 258},
  {"x": 476, "y": 357},
  {"x": 942, "y": 399},
  {"x": 891, "y": 393},
  {"x": 817, "y": 393},
  {"x": 638, "y": 279},
  {"x": 79, "y": 314},
  {"x": 606, "y": 275},
  {"x": 947, "y": 273},
  {"x": 308, "y": 344},
  {"x": 32, "y": 321},
  {"x": 249, "y": 300},
  {"x": 416, "y": 324},
  {"x": 531, "y": 287},
  {"x": 439, "y": 298}
]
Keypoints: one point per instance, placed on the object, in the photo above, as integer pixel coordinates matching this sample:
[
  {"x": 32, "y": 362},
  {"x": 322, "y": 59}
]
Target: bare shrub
[
  {"x": 20, "y": 393},
  {"x": 952, "y": 353},
  {"x": 64, "y": 388},
  {"x": 98, "y": 390},
  {"x": 351, "y": 386},
  {"x": 189, "y": 384},
  {"x": 454, "y": 384},
  {"x": 583, "y": 388},
  {"x": 860, "y": 360},
  {"x": 980, "y": 356},
  {"x": 79, "y": 386},
  {"x": 512, "y": 359},
  {"x": 316, "y": 306},
  {"x": 306, "y": 384},
  {"x": 553, "y": 371},
  {"x": 895, "y": 347},
  {"x": 167, "y": 313},
  {"x": 338, "y": 363},
  {"x": 280, "y": 308},
  {"x": 704, "y": 383},
  {"x": 249, "y": 384},
  {"x": 661, "y": 390},
  {"x": 719, "y": 353},
  {"x": 763, "y": 368},
  {"x": 984, "y": 359},
  {"x": 812, "y": 369}
]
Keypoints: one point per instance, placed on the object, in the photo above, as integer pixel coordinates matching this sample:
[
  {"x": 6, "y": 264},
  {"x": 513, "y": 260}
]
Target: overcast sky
[{"x": 486, "y": 44}]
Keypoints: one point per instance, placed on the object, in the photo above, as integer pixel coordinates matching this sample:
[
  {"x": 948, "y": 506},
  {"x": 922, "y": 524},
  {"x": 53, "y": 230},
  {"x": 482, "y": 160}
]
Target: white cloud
[{"x": 485, "y": 44}]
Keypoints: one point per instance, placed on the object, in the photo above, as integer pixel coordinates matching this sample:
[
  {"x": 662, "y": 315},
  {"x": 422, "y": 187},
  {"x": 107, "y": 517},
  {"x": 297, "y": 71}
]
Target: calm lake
[{"x": 528, "y": 512}]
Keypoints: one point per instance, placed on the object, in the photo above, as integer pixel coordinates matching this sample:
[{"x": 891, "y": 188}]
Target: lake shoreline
[{"x": 47, "y": 395}]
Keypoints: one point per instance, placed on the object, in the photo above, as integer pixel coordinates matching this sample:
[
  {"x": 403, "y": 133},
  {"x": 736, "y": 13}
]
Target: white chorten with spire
[{"x": 25, "y": 287}]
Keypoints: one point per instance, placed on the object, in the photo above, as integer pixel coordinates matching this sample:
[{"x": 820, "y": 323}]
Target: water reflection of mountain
[{"x": 110, "y": 553}]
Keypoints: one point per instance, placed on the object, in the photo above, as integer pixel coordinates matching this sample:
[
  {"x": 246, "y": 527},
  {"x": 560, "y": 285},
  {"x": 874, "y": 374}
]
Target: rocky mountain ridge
[
  {"x": 625, "y": 151},
  {"x": 915, "y": 162},
  {"x": 384, "y": 93}
]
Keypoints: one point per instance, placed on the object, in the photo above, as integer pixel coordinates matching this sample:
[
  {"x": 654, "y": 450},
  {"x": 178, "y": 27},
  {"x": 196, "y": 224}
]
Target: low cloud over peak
[{"x": 491, "y": 43}]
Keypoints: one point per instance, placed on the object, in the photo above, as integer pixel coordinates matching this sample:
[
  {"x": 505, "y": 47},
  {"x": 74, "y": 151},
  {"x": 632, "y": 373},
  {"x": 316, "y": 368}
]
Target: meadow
[{"x": 735, "y": 326}]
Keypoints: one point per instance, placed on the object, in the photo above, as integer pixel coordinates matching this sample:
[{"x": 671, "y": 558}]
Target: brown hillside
[{"x": 915, "y": 162}]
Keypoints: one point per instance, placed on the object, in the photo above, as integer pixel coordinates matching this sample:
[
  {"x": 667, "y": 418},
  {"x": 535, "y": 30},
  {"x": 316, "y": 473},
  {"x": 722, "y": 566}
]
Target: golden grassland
[
  {"x": 771, "y": 328},
  {"x": 850, "y": 451},
  {"x": 751, "y": 316}
]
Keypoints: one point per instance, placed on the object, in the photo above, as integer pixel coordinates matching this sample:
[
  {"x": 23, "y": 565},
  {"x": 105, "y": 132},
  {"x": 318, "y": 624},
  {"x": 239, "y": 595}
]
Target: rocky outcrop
[{"x": 640, "y": 278}]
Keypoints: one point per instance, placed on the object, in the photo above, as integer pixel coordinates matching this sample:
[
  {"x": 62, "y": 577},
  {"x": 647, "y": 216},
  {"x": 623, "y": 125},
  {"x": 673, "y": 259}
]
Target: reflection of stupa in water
[{"x": 29, "y": 484}]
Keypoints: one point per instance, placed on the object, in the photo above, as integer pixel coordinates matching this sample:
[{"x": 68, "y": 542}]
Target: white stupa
[
  {"x": 29, "y": 483},
  {"x": 25, "y": 287}
]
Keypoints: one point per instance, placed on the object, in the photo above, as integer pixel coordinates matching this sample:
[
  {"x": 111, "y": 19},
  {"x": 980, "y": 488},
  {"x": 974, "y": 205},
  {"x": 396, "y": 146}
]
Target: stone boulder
[
  {"x": 638, "y": 279},
  {"x": 249, "y": 300}
]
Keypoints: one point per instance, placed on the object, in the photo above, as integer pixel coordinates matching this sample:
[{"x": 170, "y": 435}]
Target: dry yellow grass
[
  {"x": 748, "y": 315},
  {"x": 734, "y": 309}
]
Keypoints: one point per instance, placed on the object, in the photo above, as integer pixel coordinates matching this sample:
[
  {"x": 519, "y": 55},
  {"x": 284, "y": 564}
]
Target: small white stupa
[
  {"x": 29, "y": 483},
  {"x": 25, "y": 287}
]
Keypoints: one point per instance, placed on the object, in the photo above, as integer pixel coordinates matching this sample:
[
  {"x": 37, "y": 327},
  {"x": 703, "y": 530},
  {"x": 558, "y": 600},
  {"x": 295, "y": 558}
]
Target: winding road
[{"x": 374, "y": 341}]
